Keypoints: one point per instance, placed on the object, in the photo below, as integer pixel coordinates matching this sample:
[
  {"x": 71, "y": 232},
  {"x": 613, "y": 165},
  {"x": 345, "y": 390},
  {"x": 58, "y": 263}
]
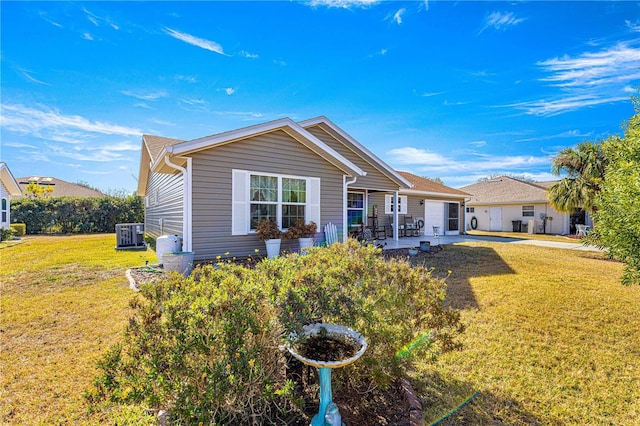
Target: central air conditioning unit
[{"x": 130, "y": 236}]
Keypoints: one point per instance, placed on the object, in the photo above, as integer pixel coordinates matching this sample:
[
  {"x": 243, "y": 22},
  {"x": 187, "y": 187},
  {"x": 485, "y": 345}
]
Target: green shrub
[
  {"x": 19, "y": 229},
  {"x": 6, "y": 234},
  {"x": 207, "y": 347}
]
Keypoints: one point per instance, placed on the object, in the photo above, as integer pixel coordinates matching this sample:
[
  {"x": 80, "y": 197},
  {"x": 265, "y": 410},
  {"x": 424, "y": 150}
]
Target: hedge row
[{"x": 76, "y": 214}]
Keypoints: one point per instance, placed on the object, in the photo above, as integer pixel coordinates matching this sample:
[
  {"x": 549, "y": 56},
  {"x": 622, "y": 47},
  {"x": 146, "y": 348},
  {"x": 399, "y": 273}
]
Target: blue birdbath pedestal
[{"x": 328, "y": 413}]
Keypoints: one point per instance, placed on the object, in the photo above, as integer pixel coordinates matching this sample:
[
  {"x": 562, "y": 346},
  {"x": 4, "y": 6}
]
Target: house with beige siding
[
  {"x": 499, "y": 204},
  {"x": 213, "y": 191},
  {"x": 8, "y": 189}
]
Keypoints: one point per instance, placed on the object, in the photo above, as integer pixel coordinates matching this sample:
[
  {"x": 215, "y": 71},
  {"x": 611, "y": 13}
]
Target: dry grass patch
[
  {"x": 552, "y": 338},
  {"x": 64, "y": 301}
]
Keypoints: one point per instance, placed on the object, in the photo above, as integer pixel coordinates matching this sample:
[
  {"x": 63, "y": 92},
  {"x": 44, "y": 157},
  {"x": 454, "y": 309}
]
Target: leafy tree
[
  {"x": 617, "y": 225},
  {"x": 584, "y": 168},
  {"x": 35, "y": 190}
]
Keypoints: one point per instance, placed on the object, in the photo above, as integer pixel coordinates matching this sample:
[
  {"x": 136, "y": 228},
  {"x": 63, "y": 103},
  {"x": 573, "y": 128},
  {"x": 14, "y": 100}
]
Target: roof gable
[
  {"x": 8, "y": 181},
  {"x": 156, "y": 149},
  {"x": 505, "y": 190},
  {"x": 355, "y": 146}
]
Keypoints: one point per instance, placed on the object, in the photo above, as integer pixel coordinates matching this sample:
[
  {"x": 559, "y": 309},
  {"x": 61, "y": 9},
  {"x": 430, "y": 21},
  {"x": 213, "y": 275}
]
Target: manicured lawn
[
  {"x": 64, "y": 302},
  {"x": 552, "y": 336}
]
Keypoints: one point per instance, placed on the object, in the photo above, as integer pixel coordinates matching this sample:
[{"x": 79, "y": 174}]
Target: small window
[
  {"x": 471, "y": 209},
  {"x": 528, "y": 211},
  {"x": 4, "y": 210},
  {"x": 389, "y": 205}
]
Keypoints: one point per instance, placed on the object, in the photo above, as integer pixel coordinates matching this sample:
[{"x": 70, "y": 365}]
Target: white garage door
[{"x": 434, "y": 216}]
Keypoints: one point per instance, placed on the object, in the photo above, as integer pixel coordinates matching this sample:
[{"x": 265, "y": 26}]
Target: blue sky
[{"x": 455, "y": 90}]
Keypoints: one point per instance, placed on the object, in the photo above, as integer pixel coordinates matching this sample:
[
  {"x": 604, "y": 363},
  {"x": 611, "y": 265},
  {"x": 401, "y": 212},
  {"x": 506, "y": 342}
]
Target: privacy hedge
[{"x": 76, "y": 214}]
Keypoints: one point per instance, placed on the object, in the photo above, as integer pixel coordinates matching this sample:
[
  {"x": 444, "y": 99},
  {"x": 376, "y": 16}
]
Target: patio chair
[
  {"x": 378, "y": 232},
  {"x": 330, "y": 233},
  {"x": 581, "y": 230}
]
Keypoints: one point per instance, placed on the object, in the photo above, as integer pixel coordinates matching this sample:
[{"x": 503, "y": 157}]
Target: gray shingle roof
[
  {"x": 61, "y": 188},
  {"x": 506, "y": 190}
]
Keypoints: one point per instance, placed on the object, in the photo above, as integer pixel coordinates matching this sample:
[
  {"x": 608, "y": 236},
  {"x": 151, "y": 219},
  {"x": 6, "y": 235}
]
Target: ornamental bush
[{"x": 208, "y": 347}]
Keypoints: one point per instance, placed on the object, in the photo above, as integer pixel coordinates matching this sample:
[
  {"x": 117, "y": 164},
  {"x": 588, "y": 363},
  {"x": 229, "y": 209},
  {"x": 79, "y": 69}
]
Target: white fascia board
[
  {"x": 379, "y": 163},
  {"x": 284, "y": 123},
  {"x": 508, "y": 203},
  {"x": 9, "y": 181}
]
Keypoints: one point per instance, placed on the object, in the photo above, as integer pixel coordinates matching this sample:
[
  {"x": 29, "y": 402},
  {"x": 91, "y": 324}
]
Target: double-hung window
[
  {"x": 355, "y": 208},
  {"x": 265, "y": 196}
]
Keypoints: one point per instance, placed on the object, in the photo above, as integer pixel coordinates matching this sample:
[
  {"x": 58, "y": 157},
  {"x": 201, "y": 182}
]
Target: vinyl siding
[
  {"x": 274, "y": 152},
  {"x": 169, "y": 207},
  {"x": 374, "y": 178}
]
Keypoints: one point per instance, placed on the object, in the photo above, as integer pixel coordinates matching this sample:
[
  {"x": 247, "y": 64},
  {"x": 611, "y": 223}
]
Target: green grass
[
  {"x": 527, "y": 236},
  {"x": 552, "y": 336},
  {"x": 64, "y": 302}
]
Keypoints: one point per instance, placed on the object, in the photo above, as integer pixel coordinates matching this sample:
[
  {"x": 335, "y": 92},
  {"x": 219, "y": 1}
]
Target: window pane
[
  {"x": 291, "y": 214},
  {"x": 355, "y": 200},
  {"x": 264, "y": 188},
  {"x": 354, "y": 217},
  {"x": 294, "y": 190},
  {"x": 4, "y": 204},
  {"x": 453, "y": 224},
  {"x": 261, "y": 212}
]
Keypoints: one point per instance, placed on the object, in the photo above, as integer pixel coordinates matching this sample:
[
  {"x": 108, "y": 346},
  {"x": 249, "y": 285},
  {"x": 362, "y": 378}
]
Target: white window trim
[
  {"x": 388, "y": 204},
  {"x": 241, "y": 200},
  {"x": 532, "y": 211}
]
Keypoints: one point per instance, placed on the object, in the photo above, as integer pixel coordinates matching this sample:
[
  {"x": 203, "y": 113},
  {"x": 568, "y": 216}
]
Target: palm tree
[{"x": 584, "y": 167}]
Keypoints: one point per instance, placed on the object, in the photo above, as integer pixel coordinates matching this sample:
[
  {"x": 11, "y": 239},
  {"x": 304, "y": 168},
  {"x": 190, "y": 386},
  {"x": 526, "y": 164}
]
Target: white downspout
[
  {"x": 464, "y": 215},
  {"x": 186, "y": 201},
  {"x": 345, "y": 230}
]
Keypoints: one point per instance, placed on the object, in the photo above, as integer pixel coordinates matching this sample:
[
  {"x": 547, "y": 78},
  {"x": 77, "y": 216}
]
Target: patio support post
[{"x": 395, "y": 215}]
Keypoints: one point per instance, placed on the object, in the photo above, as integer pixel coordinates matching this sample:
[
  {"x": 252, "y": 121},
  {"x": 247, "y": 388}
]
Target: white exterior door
[
  {"x": 434, "y": 216},
  {"x": 495, "y": 219}
]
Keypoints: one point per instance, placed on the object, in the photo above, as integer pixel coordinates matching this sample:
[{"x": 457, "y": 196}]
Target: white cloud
[
  {"x": 635, "y": 27},
  {"x": 148, "y": 96},
  {"x": 587, "y": 79},
  {"x": 435, "y": 164},
  {"x": 87, "y": 36},
  {"x": 500, "y": 21},
  {"x": 478, "y": 144},
  {"x": 27, "y": 74},
  {"x": 246, "y": 54},
  {"x": 344, "y": 4},
  {"x": 52, "y": 125},
  {"x": 229, "y": 90},
  {"x": 187, "y": 78},
  {"x": 195, "y": 41},
  {"x": 398, "y": 16}
]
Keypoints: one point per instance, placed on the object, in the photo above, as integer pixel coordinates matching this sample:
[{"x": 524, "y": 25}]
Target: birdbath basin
[{"x": 326, "y": 346}]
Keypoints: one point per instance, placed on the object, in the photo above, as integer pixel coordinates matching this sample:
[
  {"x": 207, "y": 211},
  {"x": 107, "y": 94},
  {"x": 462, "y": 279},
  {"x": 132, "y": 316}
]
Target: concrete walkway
[{"x": 406, "y": 242}]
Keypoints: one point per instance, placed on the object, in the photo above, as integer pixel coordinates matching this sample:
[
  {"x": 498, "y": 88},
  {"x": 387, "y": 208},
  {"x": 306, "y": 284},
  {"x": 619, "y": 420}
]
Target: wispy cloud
[
  {"x": 149, "y": 96},
  {"x": 98, "y": 20},
  {"x": 187, "y": 78},
  {"x": 191, "y": 104},
  {"x": 87, "y": 36},
  {"x": 397, "y": 17},
  {"x": 587, "y": 79},
  {"x": 51, "y": 124},
  {"x": 563, "y": 135},
  {"x": 500, "y": 21},
  {"x": 428, "y": 94},
  {"x": 435, "y": 164},
  {"x": 344, "y": 4},
  {"x": 478, "y": 144},
  {"x": 195, "y": 41},
  {"x": 27, "y": 74},
  {"x": 246, "y": 54}
]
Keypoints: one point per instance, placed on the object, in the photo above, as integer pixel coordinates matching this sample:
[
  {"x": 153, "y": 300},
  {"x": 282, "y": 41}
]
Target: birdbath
[{"x": 314, "y": 342}]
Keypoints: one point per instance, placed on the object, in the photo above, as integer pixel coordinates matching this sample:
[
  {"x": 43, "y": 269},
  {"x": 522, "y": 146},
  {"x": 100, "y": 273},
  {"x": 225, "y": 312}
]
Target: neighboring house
[
  {"x": 8, "y": 189},
  {"x": 497, "y": 203},
  {"x": 60, "y": 187},
  {"x": 436, "y": 204},
  {"x": 213, "y": 191}
]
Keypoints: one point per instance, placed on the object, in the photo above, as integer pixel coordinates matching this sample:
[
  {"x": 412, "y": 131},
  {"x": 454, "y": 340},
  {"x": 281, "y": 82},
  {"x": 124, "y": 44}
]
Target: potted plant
[
  {"x": 305, "y": 233},
  {"x": 269, "y": 232},
  {"x": 413, "y": 251},
  {"x": 425, "y": 246}
]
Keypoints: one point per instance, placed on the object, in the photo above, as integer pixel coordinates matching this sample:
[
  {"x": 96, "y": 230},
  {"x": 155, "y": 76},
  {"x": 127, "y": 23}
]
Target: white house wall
[{"x": 558, "y": 225}]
